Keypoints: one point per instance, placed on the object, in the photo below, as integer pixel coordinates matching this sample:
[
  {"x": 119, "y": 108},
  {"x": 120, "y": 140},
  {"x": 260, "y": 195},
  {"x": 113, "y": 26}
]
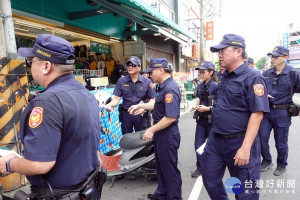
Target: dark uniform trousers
[
  {"x": 138, "y": 122},
  {"x": 219, "y": 153},
  {"x": 280, "y": 121},
  {"x": 202, "y": 132},
  {"x": 166, "y": 144}
]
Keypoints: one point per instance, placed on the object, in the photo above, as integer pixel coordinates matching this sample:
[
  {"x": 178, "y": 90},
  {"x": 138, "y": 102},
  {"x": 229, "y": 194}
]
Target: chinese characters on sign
[
  {"x": 285, "y": 40},
  {"x": 210, "y": 30},
  {"x": 100, "y": 48}
]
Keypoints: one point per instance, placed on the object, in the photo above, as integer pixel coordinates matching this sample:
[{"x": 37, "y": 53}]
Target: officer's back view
[{"x": 60, "y": 127}]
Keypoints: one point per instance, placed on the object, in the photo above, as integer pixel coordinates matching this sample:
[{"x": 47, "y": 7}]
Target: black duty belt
[
  {"x": 233, "y": 135},
  {"x": 41, "y": 191},
  {"x": 280, "y": 106}
]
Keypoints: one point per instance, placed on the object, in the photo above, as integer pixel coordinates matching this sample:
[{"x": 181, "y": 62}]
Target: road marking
[{"x": 196, "y": 189}]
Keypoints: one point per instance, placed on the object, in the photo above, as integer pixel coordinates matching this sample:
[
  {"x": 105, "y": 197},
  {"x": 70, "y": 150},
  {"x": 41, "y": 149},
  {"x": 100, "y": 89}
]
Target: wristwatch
[{"x": 7, "y": 164}]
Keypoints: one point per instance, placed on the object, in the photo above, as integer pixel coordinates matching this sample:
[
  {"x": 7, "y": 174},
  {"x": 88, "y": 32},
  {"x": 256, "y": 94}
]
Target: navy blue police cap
[
  {"x": 50, "y": 48},
  {"x": 206, "y": 65},
  {"x": 250, "y": 60},
  {"x": 134, "y": 60},
  {"x": 279, "y": 51},
  {"x": 229, "y": 40},
  {"x": 157, "y": 63}
]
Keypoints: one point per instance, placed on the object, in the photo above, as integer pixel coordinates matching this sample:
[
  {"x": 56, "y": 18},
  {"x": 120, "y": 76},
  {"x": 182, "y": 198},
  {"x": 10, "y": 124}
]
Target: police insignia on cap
[
  {"x": 36, "y": 117},
  {"x": 169, "y": 98},
  {"x": 258, "y": 89},
  {"x": 132, "y": 58}
]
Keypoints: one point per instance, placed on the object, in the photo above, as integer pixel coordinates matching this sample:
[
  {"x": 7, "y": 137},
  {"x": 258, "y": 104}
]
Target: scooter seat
[{"x": 133, "y": 140}]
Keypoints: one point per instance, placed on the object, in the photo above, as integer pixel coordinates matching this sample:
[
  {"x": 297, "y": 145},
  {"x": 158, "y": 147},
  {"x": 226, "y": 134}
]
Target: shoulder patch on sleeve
[
  {"x": 36, "y": 117},
  {"x": 151, "y": 85},
  {"x": 169, "y": 98},
  {"x": 258, "y": 89}
]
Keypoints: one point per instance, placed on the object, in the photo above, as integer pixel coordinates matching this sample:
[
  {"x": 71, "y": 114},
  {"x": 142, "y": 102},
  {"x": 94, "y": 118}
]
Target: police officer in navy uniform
[
  {"x": 282, "y": 81},
  {"x": 220, "y": 73},
  {"x": 251, "y": 62},
  {"x": 135, "y": 89},
  {"x": 165, "y": 131},
  {"x": 202, "y": 108},
  {"x": 240, "y": 101},
  {"x": 60, "y": 127}
]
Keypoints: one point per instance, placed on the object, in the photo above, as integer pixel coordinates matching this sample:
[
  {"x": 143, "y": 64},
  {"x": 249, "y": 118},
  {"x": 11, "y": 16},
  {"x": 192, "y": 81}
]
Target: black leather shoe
[
  {"x": 152, "y": 196},
  {"x": 196, "y": 174}
]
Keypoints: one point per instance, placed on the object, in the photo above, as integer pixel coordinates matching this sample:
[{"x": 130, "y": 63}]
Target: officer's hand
[
  {"x": 193, "y": 109},
  {"x": 148, "y": 135},
  {"x": 202, "y": 108},
  {"x": 133, "y": 109},
  {"x": 242, "y": 157},
  {"x": 139, "y": 112},
  {"x": 3, "y": 163},
  {"x": 107, "y": 107}
]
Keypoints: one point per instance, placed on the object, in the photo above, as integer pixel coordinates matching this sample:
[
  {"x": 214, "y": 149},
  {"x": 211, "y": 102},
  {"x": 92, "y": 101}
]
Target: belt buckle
[{"x": 273, "y": 106}]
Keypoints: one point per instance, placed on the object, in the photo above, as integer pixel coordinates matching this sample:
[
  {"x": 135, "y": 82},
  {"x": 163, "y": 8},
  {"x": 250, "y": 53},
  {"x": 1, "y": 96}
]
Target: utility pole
[
  {"x": 201, "y": 42},
  {"x": 13, "y": 90},
  {"x": 2, "y": 37},
  {"x": 8, "y": 27}
]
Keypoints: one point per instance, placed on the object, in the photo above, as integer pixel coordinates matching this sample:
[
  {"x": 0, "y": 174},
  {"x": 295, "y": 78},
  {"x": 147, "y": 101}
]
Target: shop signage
[
  {"x": 187, "y": 50},
  {"x": 210, "y": 30},
  {"x": 100, "y": 48},
  {"x": 286, "y": 40},
  {"x": 294, "y": 61},
  {"x": 294, "y": 52}
]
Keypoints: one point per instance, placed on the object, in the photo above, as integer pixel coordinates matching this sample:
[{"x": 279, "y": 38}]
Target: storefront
[
  {"x": 94, "y": 52},
  {"x": 155, "y": 49}
]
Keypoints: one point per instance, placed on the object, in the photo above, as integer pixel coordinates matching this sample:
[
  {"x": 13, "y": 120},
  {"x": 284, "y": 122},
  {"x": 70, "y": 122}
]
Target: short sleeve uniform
[
  {"x": 240, "y": 93},
  {"x": 62, "y": 124},
  {"x": 134, "y": 93}
]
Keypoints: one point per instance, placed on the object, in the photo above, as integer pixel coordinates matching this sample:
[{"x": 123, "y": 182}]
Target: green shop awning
[{"x": 144, "y": 14}]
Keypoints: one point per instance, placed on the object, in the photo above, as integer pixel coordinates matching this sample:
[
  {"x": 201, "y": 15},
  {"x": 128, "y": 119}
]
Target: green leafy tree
[
  {"x": 217, "y": 65},
  {"x": 260, "y": 63}
]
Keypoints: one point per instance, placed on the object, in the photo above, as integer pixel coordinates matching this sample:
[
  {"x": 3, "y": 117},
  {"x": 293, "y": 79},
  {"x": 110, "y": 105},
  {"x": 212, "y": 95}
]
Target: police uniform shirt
[
  {"x": 167, "y": 102},
  {"x": 134, "y": 93},
  {"x": 240, "y": 93},
  {"x": 202, "y": 87},
  {"x": 279, "y": 86},
  {"x": 62, "y": 124}
]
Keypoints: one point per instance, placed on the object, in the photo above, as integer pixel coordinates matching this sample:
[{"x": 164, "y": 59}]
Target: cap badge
[
  {"x": 43, "y": 53},
  {"x": 234, "y": 42}
]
